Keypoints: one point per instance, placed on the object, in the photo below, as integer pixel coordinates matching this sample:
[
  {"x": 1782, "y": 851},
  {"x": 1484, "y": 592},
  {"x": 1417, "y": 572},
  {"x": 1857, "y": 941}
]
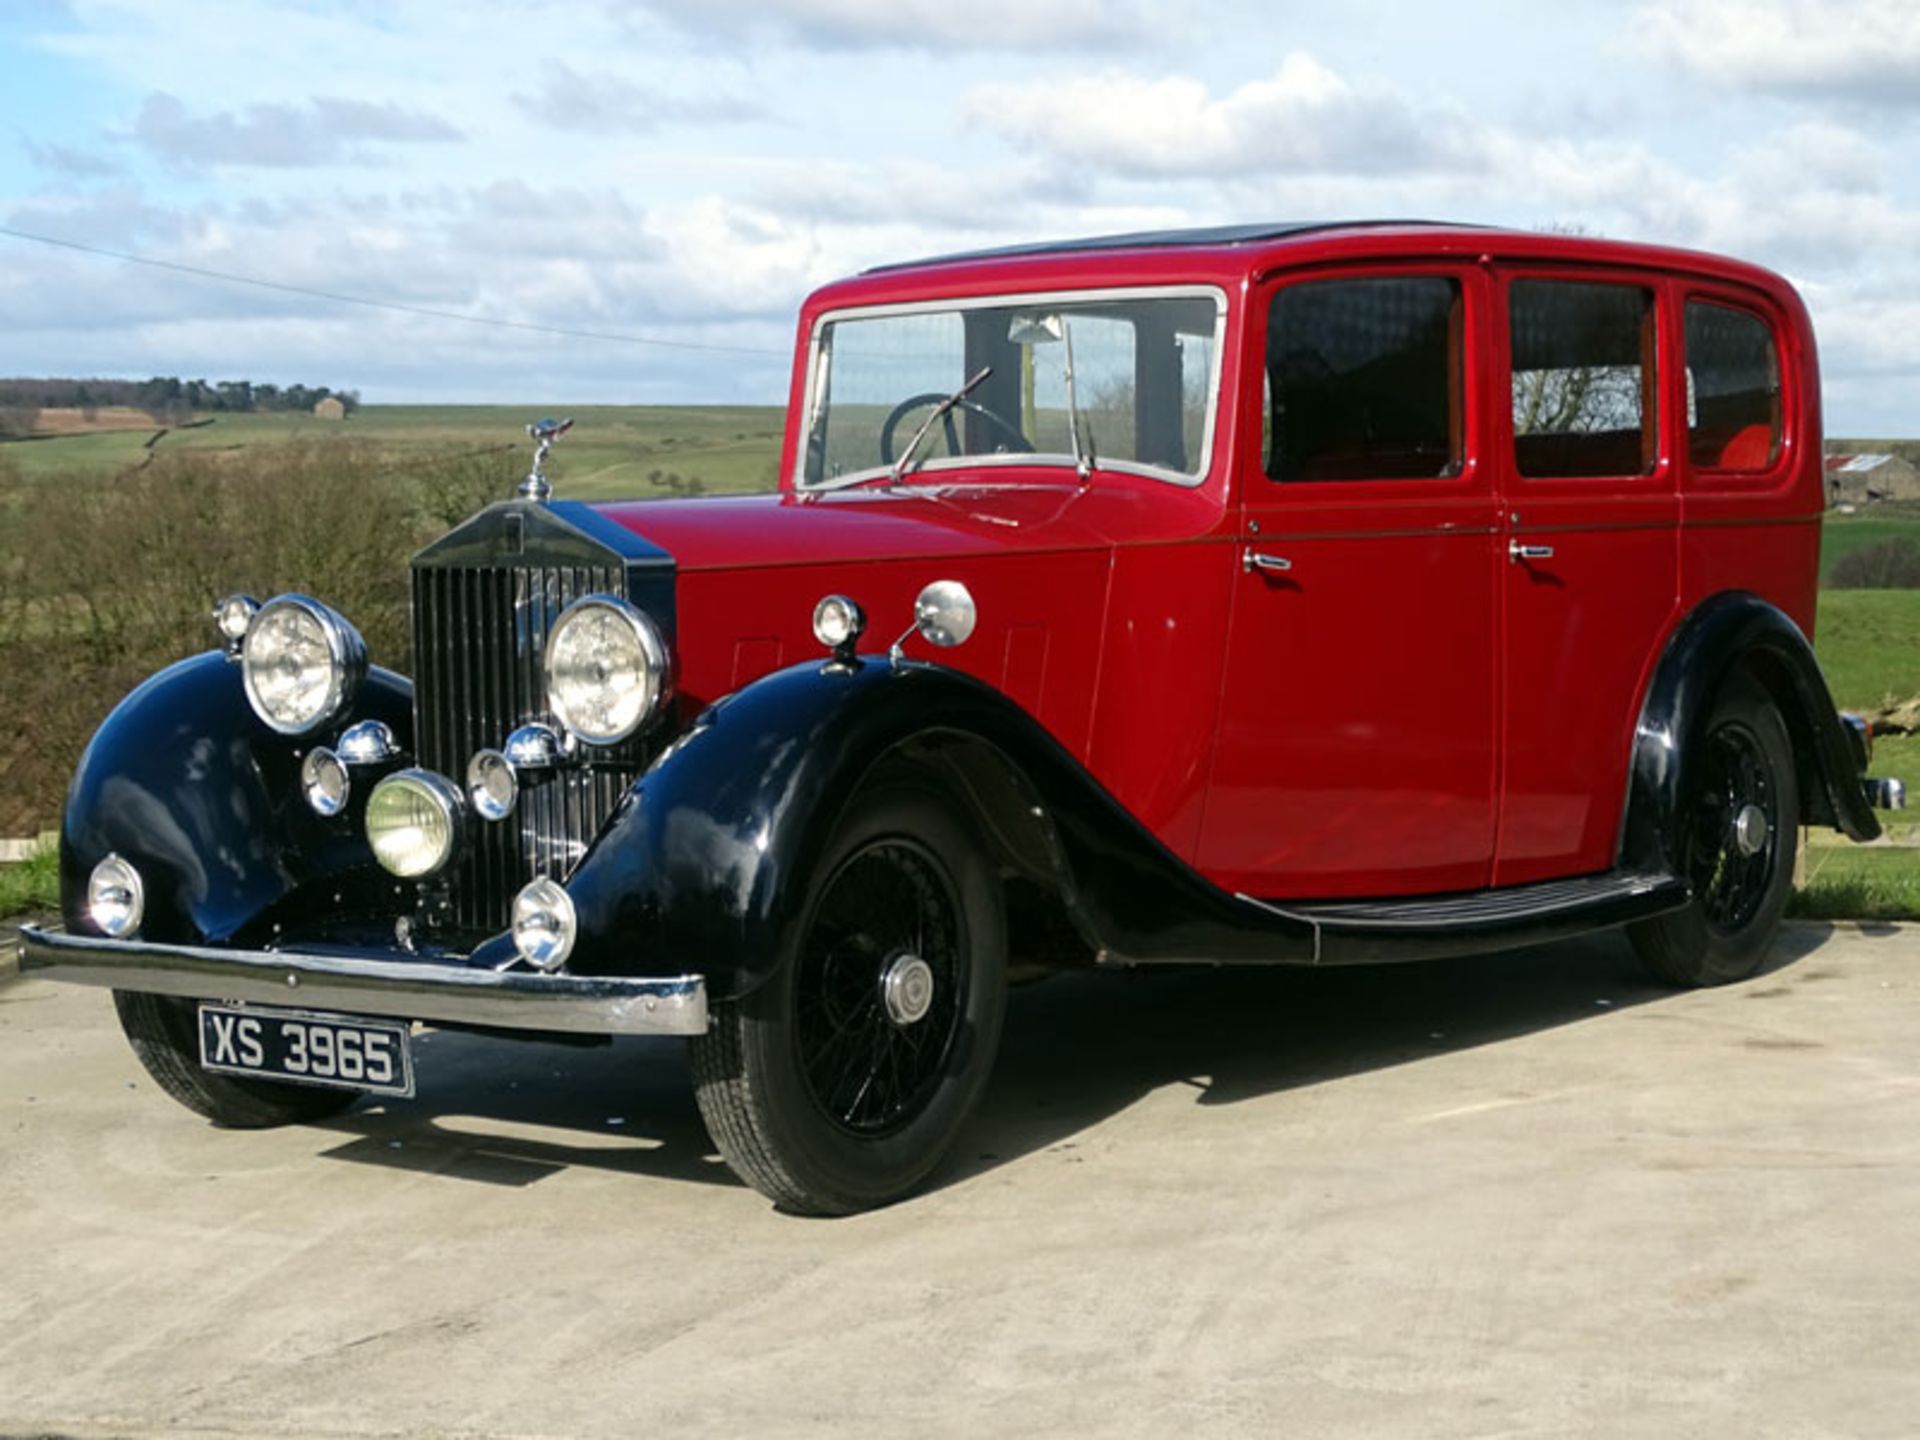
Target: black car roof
[{"x": 1246, "y": 234}]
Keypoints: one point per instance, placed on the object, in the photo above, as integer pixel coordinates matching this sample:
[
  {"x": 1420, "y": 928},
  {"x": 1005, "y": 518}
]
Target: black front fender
[
  {"x": 706, "y": 865},
  {"x": 1732, "y": 632},
  {"x": 187, "y": 783}
]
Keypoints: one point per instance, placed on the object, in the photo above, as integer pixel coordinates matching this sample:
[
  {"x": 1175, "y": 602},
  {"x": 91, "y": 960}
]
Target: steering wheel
[{"x": 1016, "y": 440}]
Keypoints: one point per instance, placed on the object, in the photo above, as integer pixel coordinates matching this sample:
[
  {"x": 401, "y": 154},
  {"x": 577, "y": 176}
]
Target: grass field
[
  {"x": 1869, "y": 645},
  {"x": 1858, "y": 882},
  {"x": 31, "y": 884},
  {"x": 1843, "y": 534},
  {"x": 613, "y": 452}
]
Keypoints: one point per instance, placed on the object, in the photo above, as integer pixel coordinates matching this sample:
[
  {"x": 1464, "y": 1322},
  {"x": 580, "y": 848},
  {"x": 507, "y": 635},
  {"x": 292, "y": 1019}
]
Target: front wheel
[
  {"x": 165, "y": 1035},
  {"x": 842, "y": 1082},
  {"x": 1738, "y": 835}
]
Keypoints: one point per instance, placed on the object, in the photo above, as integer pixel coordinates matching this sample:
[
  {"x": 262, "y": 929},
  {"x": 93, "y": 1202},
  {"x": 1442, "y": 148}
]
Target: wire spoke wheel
[
  {"x": 1735, "y": 837},
  {"x": 1736, "y": 828},
  {"x": 842, "y": 1081},
  {"x": 870, "y": 1064}
]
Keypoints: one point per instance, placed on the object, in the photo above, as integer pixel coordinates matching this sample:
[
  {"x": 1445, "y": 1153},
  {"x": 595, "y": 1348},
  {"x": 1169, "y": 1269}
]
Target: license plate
[{"x": 307, "y": 1049}]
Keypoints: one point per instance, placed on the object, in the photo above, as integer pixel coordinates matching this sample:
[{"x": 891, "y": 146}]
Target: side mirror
[{"x": 945, "y": 613}]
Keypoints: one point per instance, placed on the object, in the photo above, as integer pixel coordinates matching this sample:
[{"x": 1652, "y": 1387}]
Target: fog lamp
[
  {"x": 116, "y": 900},
  {"x": 413, "y": 822},
  {"x": 324, "y": 780},
  {"x": 544, "y": 924}
]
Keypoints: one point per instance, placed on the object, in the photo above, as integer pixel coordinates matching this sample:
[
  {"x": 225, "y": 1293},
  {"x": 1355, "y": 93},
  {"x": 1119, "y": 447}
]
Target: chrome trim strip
[{"x": 409, "y": 990}]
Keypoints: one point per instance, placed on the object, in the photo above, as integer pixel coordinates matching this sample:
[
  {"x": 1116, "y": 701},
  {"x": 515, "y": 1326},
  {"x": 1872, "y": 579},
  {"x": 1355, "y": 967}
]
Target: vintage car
[{"x": 1276, "y": 594}]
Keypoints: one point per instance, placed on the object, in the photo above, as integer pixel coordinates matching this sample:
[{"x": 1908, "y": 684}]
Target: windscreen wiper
[
  {"x": 945, "y": 407},
  {"x": 1083, "y": 459}
]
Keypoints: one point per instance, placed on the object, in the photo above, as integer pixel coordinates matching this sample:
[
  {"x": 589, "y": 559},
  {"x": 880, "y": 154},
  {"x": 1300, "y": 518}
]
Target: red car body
[{"x": 1409, "y": 710}]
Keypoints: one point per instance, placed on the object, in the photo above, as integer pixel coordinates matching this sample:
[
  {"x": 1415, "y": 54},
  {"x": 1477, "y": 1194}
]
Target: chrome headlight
[
  {"x": 606, "y": 669},
  {"x": 414, "y": 820},
  {"x": 301, "y": 663}
]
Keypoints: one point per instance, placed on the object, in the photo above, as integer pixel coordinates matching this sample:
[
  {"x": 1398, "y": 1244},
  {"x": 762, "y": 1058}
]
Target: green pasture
[
  {"x": 1843, "y": 534},
  {"x": 31, "y": 884},
  {"x": 614, "y": 452},
  {"x": 1868, "y": 642},
  {"x": 1859, "y": 882}
]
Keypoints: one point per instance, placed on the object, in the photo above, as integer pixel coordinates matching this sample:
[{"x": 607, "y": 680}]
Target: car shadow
[
  {"x": 1086, "y": 1046},
  {"x": 512, "y": 1112},
  {"x": 1077, "y": 1049}
]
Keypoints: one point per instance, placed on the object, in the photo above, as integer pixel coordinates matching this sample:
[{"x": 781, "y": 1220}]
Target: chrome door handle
[
  {"x": 1252, "y": 560},
  {"x": 1517, "y": 552}
]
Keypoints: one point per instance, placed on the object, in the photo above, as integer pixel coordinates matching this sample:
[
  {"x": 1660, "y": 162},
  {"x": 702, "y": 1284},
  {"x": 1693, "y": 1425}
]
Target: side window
[
  {"x": 1584, "y": 398},
  {"x": 1733, "y": 389},
  {"x": 1363, "y": 380}
]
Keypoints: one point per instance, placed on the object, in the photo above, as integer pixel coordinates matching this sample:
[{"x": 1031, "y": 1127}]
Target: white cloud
[
  {"x": 934, "y": 25},
  {"x": 323, "y": 131},
  {"x": 71, "y": 161},
  {"x": 1302, "y": 119},
  {"x": 1865, "y": 51},
  {"x": 602, "y": 103}
]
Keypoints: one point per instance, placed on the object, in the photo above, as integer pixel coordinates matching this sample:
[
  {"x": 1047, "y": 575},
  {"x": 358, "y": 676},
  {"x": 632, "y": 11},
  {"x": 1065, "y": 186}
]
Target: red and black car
[{"x": 1284, "y": 594}]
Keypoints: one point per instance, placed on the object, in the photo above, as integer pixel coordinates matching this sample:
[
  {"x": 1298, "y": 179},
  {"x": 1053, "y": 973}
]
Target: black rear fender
[{"x": 1736, "y": 633}]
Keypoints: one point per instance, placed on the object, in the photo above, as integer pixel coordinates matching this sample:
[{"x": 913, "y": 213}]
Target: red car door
[
  {"x": 1355, "y": 750},
  {"x": 1590, "y": 553}
]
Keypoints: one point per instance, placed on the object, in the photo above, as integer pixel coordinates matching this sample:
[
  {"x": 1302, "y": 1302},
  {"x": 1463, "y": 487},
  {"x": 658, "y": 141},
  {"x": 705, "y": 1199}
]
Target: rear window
[
  {"x": 1733, "y": 389},
  {"x": 1583, "y": 378},
  {"x": 1363, "y": 380}
]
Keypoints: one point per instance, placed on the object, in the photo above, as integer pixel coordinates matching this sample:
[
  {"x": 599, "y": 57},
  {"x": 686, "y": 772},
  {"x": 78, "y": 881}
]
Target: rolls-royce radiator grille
[{"x": 479, "y": 645}]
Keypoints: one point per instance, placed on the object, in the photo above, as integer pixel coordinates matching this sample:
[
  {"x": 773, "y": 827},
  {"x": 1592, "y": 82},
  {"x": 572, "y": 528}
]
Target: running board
[{"x": 1358, "y": 932}]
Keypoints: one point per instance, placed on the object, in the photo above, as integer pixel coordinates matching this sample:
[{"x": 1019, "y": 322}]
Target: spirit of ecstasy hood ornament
[{"x": 536, "y": 487}]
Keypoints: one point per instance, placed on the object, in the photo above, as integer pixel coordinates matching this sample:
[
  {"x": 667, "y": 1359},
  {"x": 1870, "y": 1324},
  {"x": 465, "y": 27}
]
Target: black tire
[
  {"x": 1743, "y": 759},
  {"x": 164, "y": 1033},
  {"x": 817, "y": 1093}
]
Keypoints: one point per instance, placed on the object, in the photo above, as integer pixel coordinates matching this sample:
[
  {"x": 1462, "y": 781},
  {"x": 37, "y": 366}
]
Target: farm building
[
  {"x": 1854, "y": 479},
  {"x": 329, "y": 408}
]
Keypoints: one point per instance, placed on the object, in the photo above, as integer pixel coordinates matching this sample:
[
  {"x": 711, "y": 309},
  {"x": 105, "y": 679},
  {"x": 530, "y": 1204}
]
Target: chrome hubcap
[
  {"x": 906, "y": 987},
  {"x": 1750, "y": 829}
]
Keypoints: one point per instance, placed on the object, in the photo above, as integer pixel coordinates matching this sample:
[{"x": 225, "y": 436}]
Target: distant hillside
[{"x": 166, "y": 399}]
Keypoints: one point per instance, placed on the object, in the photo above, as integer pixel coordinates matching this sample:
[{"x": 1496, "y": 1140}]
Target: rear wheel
[
  {"x": 1739, "y": 831},
  {"x": 842, "y": 1082},
  {"x": 165, "y": 1034}
]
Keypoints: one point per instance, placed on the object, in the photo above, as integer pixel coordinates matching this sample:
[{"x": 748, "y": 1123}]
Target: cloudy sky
[{"x": 685, "y": 170}]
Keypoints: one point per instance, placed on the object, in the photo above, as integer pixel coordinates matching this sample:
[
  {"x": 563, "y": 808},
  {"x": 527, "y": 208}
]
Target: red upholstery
[{"x": 1750, "y": 449}]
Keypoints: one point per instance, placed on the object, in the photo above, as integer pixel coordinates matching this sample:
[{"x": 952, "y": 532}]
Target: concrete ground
[{"x": 1520, "y": 1195}]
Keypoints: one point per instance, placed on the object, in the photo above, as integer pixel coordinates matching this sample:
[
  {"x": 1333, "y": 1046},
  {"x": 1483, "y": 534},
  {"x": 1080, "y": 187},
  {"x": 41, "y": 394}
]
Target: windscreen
[{"x": 1128, "y": 380}]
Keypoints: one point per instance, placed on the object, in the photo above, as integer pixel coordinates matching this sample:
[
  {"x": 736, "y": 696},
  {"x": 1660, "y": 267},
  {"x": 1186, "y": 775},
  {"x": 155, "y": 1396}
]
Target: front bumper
[{"x": 355, "y": 985}]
